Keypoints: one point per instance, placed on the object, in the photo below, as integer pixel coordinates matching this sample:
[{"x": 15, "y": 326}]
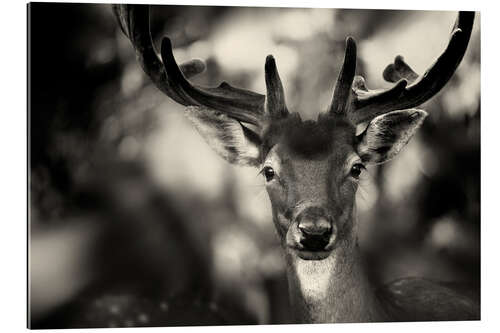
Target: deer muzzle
[{"x": 314, "y": 233}]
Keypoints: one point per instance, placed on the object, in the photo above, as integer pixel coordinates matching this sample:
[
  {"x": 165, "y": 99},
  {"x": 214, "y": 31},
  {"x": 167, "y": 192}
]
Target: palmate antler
[
  {"x": 242, "y": 105},
  {"x": 360, "y": 104}
]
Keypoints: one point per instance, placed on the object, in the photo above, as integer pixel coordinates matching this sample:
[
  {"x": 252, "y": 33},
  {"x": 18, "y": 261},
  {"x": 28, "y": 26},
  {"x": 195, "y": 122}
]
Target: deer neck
[{"x": 332, "y": 290}]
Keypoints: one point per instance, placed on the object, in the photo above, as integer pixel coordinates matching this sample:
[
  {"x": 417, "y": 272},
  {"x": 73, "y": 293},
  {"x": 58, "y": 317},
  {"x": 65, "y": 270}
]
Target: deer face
[{"x": 311, "y": 171}]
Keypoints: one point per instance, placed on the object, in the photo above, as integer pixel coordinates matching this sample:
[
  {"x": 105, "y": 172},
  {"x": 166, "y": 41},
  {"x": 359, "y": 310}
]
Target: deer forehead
[{"x": 309, "y": 145}]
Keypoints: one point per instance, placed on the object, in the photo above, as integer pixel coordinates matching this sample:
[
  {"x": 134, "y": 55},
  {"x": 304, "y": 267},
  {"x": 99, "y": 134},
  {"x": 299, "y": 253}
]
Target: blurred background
[{"x": 134, "y": 221}]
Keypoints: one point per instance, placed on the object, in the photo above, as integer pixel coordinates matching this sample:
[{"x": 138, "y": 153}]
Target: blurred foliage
[{"x": 134, "y": 221}]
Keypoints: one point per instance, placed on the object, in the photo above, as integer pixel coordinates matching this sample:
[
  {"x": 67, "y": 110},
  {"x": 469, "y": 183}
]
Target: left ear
[
  {"x": 231, "y": 139},
  {"x": 387, "y": 134}
]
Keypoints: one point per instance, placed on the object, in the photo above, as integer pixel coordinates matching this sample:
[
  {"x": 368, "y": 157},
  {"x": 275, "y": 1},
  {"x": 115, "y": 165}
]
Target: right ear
[
  {"x": 233, "y": 141},
  {"x": 387, "y": 134}
]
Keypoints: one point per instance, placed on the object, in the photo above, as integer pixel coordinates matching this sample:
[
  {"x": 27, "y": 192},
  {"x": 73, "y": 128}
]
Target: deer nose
[
  {"x": 316, "y": 231},
  {"x": 315, "y": 227}
]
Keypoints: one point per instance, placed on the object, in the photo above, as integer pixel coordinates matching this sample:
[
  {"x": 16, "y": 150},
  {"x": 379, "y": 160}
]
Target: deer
[{"x": 312, "y": 168}]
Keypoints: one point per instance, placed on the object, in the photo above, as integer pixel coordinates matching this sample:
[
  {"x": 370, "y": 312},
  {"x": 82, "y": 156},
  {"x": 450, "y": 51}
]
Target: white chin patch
[{"x": 314, "y": 277}]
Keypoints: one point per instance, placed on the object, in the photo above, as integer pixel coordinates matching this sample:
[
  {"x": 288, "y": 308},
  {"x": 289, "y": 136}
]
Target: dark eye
[
  {"x": 356, "y": 170},
  {"x": 268, "y": 173}
]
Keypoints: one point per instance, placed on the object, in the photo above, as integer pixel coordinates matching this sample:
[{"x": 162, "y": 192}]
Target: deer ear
[
  {"x": 387, "y": 134},
  {"x": 233, "y": 141}
]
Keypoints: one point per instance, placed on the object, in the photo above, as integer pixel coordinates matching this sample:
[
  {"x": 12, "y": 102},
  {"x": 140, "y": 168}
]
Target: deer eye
[
  {"x": 268, "y": 173},
  {"x": 356, "y": 170}
]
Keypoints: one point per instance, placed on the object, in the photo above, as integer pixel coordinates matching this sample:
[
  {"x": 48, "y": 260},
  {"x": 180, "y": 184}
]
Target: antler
[
  {"x": 366, "y": 104},
  {"x": 276, "y": 105},
  {"x": 342, "y": 91},
  {"x": 242, "y": 105}
]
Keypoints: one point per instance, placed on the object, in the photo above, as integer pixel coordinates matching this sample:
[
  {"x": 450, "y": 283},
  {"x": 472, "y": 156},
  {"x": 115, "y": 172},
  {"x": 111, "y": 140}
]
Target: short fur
[{"x": 308, "y": 139}]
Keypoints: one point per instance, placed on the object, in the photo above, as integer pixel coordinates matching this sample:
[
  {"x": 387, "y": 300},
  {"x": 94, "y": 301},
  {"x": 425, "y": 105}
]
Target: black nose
[{"x": 315, "y": 231}]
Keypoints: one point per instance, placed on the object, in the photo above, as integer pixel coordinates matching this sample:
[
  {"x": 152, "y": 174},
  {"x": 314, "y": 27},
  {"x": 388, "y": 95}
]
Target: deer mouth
[
  {"x": 315, "y": 248},
  {"x": 313, "y": 255}
]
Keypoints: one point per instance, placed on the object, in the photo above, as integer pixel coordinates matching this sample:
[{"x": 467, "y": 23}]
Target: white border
[{"x": 13, "y": 163}]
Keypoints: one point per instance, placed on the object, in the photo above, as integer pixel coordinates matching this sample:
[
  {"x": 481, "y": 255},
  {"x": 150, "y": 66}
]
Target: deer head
[{"x": 311, "y": 168}]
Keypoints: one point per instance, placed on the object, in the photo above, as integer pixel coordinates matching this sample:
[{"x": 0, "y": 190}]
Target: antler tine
[
  {"x": 276, "y": 105},
  {"x": 342, "y": 91},
  {"x": 242, "y": 105},
  {"x": 398, "y": 71},
  {"x": 367, "y": 104}
]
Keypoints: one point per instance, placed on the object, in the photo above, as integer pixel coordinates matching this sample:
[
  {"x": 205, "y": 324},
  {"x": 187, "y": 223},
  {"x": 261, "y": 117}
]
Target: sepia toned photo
[{"x": 212, "y": 165}]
